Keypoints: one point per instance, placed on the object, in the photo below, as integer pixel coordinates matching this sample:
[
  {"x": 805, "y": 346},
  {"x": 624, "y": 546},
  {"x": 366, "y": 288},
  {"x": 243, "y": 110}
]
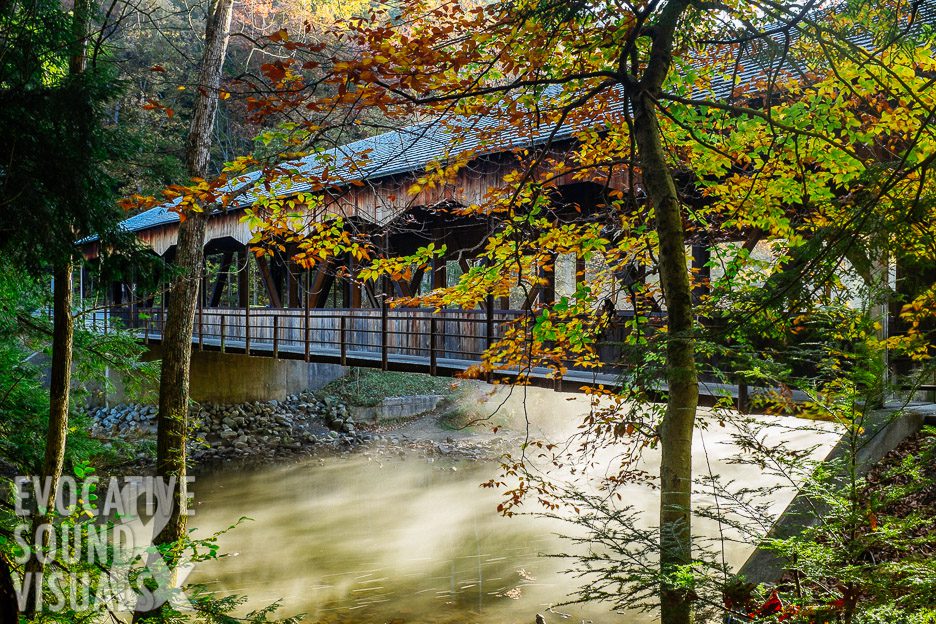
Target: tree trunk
[
  {"x": 60, "y": 377},
  {"x": 63, "y": 332},
  {"x": 183, "y": 292},
  {"x": 681, "y": 375}
]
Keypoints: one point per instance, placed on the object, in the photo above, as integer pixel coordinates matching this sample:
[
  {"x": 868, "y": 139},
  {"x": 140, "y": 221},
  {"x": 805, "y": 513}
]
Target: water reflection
[{"x": 352, "y": 540}]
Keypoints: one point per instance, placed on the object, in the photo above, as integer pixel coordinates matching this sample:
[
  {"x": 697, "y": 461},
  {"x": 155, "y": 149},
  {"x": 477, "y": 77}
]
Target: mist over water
[
  {"x": 353, "y": 540},
  {"x": 376, "y": 540}
]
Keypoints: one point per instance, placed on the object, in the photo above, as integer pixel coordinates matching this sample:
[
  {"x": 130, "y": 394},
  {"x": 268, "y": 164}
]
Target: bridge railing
[{"x": 445, "y": 338}]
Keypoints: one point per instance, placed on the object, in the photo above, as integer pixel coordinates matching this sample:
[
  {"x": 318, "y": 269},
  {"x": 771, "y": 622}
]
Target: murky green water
[{"x": 353, "y": 540}]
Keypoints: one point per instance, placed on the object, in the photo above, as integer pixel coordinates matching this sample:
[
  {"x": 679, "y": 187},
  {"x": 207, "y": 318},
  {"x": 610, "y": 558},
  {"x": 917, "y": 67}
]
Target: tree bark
[
  {"x": 183, "y": 292},
  {"x": 678, "y": 421}
]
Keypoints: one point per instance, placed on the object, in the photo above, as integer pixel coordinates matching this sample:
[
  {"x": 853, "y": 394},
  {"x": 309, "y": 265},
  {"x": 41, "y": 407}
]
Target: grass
[{"x": 367, "y": 388}]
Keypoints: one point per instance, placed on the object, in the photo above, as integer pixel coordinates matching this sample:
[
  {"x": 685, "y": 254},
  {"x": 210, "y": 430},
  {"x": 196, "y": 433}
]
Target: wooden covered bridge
[{"x": 269, "y": 306}]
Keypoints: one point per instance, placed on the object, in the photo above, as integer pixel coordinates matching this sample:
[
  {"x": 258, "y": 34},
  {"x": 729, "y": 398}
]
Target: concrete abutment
[{"x": 235, "y": 378}]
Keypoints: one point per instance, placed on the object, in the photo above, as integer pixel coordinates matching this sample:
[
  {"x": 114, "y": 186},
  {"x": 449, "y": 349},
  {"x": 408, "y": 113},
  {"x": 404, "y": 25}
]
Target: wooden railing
[{"x": 426, "y": 338}]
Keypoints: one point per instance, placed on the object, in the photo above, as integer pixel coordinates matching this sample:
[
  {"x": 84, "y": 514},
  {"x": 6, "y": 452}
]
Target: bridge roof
[{"x": 389, "y": 154}]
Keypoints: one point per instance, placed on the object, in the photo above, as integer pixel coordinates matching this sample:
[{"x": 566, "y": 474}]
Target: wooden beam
[
  {"x": 416, "y": 282},
  {"x": 351, "y": 290},
  {"x": 278, "y": 273},
  {"x": 327, "y": 284},
  {"x": 439, "y": 273},
  {"x": 243, "y": 278},
  {"x": 371, "y": 295},
  {"x": 272, "y": 291},
  {"x": 221, "y": 281},
  {"x": 318, "y": 292}
]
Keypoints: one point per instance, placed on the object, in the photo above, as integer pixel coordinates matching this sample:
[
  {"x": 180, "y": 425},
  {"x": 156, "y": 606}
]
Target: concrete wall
[
  {"x": 230, "y": 378},
  {"x": 883, "y": 432},
  {"x": 393, "y": 408}
]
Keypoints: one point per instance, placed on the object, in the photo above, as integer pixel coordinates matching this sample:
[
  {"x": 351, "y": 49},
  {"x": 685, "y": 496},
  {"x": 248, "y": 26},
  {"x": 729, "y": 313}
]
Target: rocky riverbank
[
  {"x": 264, "y": 429},
  {"x": 302, "y": 425}
]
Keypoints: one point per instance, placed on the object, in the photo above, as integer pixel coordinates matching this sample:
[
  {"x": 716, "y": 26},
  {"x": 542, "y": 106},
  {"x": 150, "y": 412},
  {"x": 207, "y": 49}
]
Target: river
[{"x": 372, "y": 540}]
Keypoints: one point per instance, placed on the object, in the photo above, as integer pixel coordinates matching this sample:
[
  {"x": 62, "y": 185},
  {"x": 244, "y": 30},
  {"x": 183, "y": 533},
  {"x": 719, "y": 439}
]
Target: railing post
[
  {"x": 433, "y": 358},
  {"x": 146, "y": 331},
  {"x": 223, "y": 322},
  {"x": 201, "y": 324},
  {"x": 343, "y": 339},
  {"x": 489, "y": 321},
  {"x": 488, "y": 329},
  {"x": 276, "y": 335},
  {"x": 384, "y": 323}
]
